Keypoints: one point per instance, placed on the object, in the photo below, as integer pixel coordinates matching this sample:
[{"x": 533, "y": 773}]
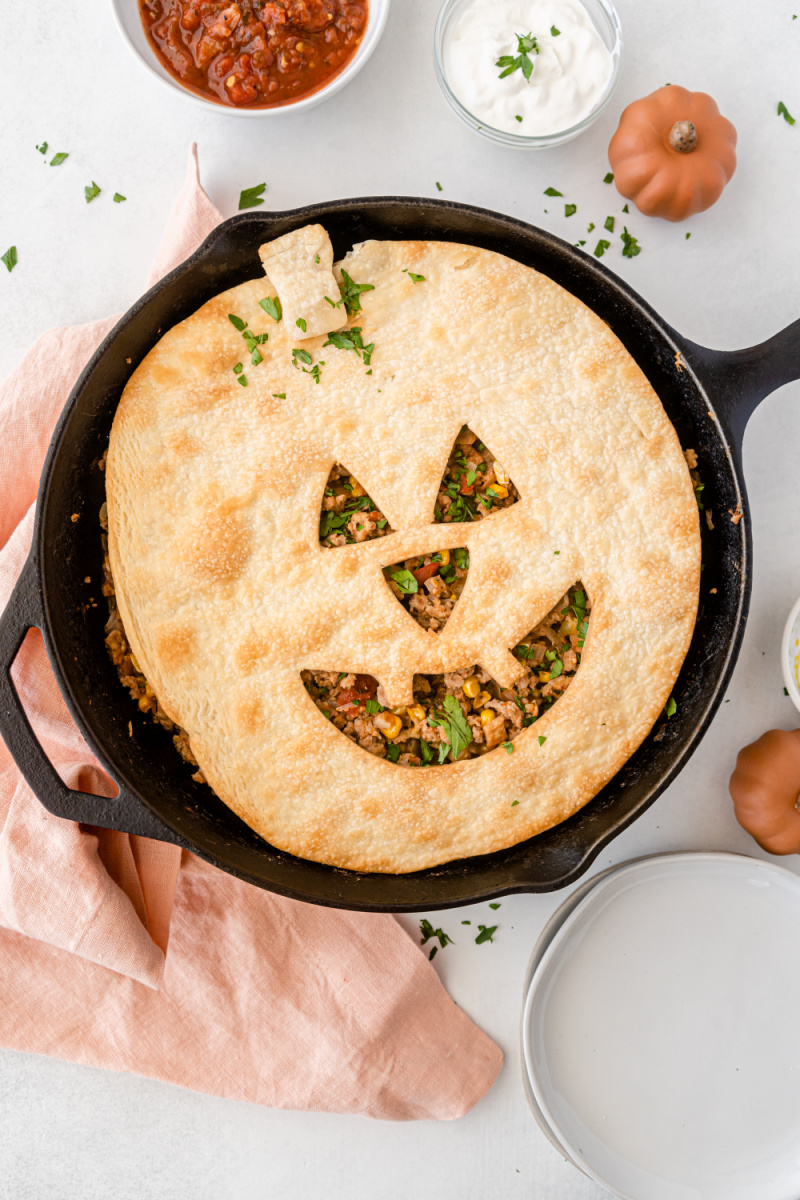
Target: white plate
[{"x": 661, "y": 1031}]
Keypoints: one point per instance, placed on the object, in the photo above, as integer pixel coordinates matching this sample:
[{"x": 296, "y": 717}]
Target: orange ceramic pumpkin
[
  {"x": 766, "y": 789},
  {"x": 673, "y": 153}
]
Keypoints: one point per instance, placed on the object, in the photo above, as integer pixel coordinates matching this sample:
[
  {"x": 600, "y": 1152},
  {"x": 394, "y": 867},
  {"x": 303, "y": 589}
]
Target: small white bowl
[
  {"x": 130, "y": 26},
  {"x": 606, "y": 22},
  {"x": 790, "y": 655}
]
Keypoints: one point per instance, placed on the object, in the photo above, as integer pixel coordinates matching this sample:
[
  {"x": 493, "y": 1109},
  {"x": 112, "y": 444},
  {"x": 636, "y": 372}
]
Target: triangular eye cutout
[
  {"x": 474, "y": 484},
  {"x": 348, "y": 513},
  {"x": 429, "y": 585}
]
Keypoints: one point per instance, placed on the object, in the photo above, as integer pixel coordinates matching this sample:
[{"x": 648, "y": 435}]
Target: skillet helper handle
[
  {"x": 740, "y": 379},
  {"x": 125, "y": 812}
]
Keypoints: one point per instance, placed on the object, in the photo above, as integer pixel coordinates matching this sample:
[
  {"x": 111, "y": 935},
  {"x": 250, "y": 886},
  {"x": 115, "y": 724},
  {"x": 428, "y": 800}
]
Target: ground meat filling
[
  {"x": 465, "y": 713},
  {"x": 474, "y": 483},
  {"x": 428, "y": 586},
  {"x": 128, "y": 669},
  {"x": 348, "y": 514}
]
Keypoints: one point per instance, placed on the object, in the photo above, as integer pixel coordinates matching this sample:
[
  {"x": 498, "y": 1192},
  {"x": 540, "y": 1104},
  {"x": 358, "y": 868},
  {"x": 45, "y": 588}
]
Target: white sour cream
[{"x": 570, "y": 72}]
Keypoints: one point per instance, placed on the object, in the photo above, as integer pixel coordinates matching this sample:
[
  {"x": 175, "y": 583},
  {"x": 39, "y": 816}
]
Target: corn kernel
[
  {"x": 500, "y": 473},
  {"x": 497, "y": 489},
  {"x": 135, "y": 664},
  {"x": 482, "y": 700},
  {"x": 144, "y": 703},
  {"x": 389, "y": 726},
  {"x": 544, "y": 676},
  {"x": 470, "y": 687},
  {"x": 417, "y": 713},
  {"x": 487, "y": 715},
  {"x": 357, "y": 489},
  {"x": 444, "y": 555}
]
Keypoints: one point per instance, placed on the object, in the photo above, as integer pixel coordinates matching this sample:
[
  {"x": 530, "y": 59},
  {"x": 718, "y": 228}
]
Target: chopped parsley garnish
[
  {"x": 237, "y": 370},
  {"x": 301, "y": 356},
  {"x": 570, "y": 210},
  {"x": 601, "y": 248},
  {"x": 351, "y": 294},
  {"x": 630, "y": 246},
  {"x": 590, "y": 227},
  {"x": 526, "y": 45},
  {"x": 671, "y": 707},
  {"x": 392, "y": 752},
  {"x": 237, "y": 322},
  {"x": 551, "y": 191},
  {"x": 414, "y": 278},
  {"x": 43, "y": 148},
  {"x": 279, "y": 395},
  {"x": 513, "y": 802},
  {"x": 428, "y": 933},
  {"x": 372, "y": 706},
  {"x": 272, "y": 307},
  {"x": 461, "y": 558},
  {"x": 316, "y": 260},
  {"x": 508, "y": 747},
  {"x": 91, "y": 192},
  {"x": 300, "y": 323},
  {"x": 555, "y": 32},
  {"x": 406, "y": 582},
  {"x": 252, "y": 197},
  {"x": 243, "y": 380},
  {"x": 784, "y": 112},
  {"x": 609, "y": 224},
  {"x": 486, "y": 934},
  {"x": 495, "y": 906},
  {"x": 609, "y": 178},
  {"x": 438, "y": 186},
  {"x": 518, "y": 119},
  {"x": 58, "y": 159},
  {"x": 542, "y": 739},
  {"x": 118, "y": 198},
  {"x": 457, "y": 731},
  {"x": 688, "y": 236},
  {"x": 625, "y": 208},
  {"x": 10, "y": 258},
  {"x": 351, "y": 339}
]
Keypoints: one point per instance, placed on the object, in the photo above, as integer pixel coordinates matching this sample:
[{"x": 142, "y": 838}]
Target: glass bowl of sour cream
[{"x": 529, "y": 73}]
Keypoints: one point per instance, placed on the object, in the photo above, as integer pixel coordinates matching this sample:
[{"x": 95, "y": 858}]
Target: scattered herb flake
[
  {"x": 526, "y": 45},
  {"x": 301, "y": 356},
  {"x": 414, "y": 278},
  {"x": 466, "y": 922},
  {"x": 630, "y": 246},
  {"x": 427, "y": 932},
  {"x": 438, "y": 186},
  {"x": 784, "y": 112},
  {"x": 279, "y": 395},
  {"x": 609, "y": 224},
  {"x": 351, "y": 294},
  {"x": 243, "y": 380},
  {"x": 513, "y": 802},
  {"x": 688, "y": 236},
  {"x": 406, "y": 582},
  {"x": 555, "y": 32},
  {"x": 237, "y": 322},
  {"x": 91, "y": 192},
  {"x": 671, "y": 707},
  {"x": 252, "y": 197},
  {"x": 237, "y": 370},
  {"x": 542, "y": 739},
  {"x": 316, "y": 259},
  {"x": 508, "y": 747},
  {"x": 518, "y": 119},
  {"x": 590, "y": 227},
  {"x": 43, "y": 148},
  {"x": 495, "y": 906},
  {"x": 272, "y": 307},
  {"x": 609, "y": 178},
  {"x": 551, "y": 191},
  {"x": 570, "y": 209},
  {"x": 58, "y": 159},
  {"x": 486, "y": 934},
  {"x": 301, "y": 324},
  {"x": 625, "y": 208},
  {"x": 10, "y": 258},
  {"x": 456, "y": 727},
  {"x": 118, "y": 197},
  {"x": 601, "y": 248}
]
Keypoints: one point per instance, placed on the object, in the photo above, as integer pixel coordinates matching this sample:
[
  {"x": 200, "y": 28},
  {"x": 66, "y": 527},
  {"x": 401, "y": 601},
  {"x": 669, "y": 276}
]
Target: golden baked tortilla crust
[{"x": 214, "y": 497}]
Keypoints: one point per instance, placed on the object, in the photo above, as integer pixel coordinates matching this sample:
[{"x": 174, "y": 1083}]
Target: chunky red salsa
[{"x": 254, "y": 53}]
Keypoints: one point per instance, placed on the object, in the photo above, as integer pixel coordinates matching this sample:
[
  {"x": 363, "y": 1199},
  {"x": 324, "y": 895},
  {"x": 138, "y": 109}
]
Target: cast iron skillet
[{"x": 708, "y": 395}]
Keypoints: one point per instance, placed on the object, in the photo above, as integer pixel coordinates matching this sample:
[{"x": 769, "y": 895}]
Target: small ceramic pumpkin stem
[{"x": 683, "y": 137}]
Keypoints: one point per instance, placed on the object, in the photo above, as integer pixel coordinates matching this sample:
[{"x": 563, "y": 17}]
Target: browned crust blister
[{"x": 214, "y": 496}]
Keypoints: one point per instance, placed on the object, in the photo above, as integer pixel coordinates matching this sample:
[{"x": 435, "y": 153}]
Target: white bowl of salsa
[{"x": 253, "y": 58}]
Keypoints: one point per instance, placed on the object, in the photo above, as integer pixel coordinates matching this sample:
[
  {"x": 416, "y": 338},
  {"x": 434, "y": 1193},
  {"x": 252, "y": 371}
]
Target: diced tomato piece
[
  {"x": 466, "y": 489},
  {"x": 423, "y": 573}
]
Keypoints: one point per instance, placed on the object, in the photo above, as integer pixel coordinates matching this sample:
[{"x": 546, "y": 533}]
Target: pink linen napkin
[{"x": 122, "y": 952}]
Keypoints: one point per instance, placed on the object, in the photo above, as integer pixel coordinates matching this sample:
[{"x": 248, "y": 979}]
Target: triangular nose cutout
[
  {"x": 474, "y": 484},
  {"x": 429, "y": 585},
  {"x": 348, "y": 513}
]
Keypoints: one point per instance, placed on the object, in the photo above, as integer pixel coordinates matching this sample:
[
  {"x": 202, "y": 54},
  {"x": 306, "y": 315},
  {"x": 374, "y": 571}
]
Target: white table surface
[{"x": 68, "y": 1131}]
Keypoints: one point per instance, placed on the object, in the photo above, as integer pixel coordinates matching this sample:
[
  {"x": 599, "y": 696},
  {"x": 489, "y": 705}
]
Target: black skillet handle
[
  {"x": 125, "y": 812},
  {"x": 739, "y": 380}
]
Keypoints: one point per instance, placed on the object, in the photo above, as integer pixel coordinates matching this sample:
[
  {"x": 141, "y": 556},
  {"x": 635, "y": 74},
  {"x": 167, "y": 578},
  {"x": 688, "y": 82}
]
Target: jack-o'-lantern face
[
  {"x": 459, "y": 714},
  {"x": 313, "y": 654}
]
